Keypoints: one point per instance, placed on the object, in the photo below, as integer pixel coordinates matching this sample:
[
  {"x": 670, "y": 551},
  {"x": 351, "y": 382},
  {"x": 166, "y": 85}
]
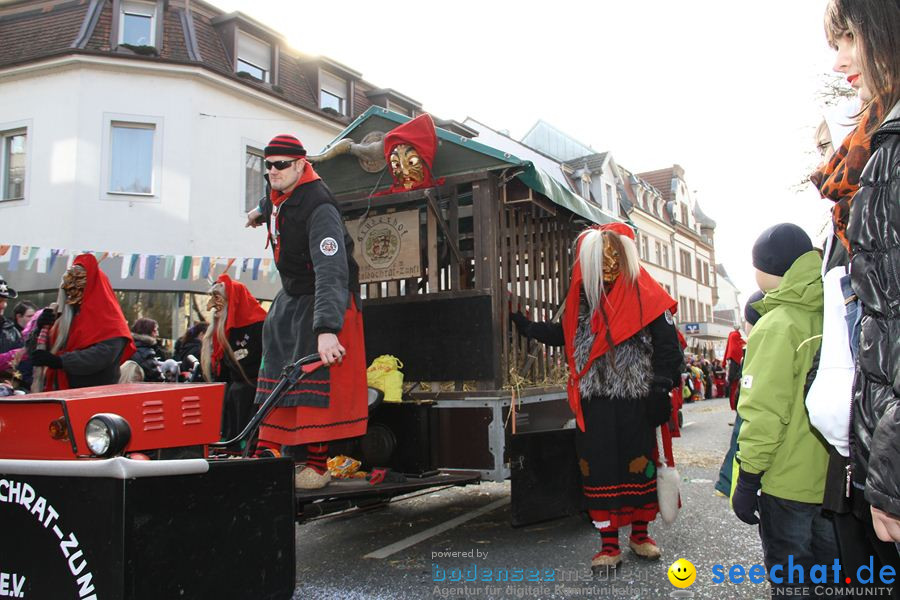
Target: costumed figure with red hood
[
  {"x": 734, "y": 355},
  {"x": 232, "y": 350},
  {"x": 624, "y": 358},
  {"x": 316, "y": 311},
  {"x": 409, "y": 150},
  {"x": 90, "y": 339}
]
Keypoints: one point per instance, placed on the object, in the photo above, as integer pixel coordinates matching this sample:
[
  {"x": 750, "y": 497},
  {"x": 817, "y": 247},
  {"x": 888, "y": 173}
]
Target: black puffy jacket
[{"x": 874, "y": 234}]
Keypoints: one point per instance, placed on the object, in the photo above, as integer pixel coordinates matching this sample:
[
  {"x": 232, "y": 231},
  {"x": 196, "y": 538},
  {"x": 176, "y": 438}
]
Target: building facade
[
  {"x": 683, "y": 251},
  {"x": 136, "y": 129}
]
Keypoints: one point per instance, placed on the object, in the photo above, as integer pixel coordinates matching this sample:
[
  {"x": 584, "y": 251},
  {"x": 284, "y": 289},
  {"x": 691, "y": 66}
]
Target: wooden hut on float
[{"x": 441, "y": 268}]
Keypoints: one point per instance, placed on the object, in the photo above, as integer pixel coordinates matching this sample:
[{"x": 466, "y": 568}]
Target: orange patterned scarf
[{"x": 839, "y": 179}]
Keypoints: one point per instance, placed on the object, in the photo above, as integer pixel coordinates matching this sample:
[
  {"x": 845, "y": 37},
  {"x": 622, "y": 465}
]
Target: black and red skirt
[{"x": 617, "y": 458}]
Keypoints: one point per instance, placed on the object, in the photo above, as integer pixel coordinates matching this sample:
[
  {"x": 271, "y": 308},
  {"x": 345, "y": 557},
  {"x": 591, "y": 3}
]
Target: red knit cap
[{"x": 285, "y": 145}]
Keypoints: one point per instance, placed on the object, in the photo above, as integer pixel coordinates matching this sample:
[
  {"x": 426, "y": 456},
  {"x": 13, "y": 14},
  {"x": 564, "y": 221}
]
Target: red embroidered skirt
[{"x": 346, "y": 412}]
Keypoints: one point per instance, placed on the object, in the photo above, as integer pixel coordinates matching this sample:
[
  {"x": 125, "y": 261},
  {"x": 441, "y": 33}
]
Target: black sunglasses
[{"x": 280, "y": 165}]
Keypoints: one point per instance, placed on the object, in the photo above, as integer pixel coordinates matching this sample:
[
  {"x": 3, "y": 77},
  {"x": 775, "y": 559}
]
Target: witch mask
[
  {"x": 410, "y": 149},
  {"x": 73, "y": 284},
  {"x": 407, "y": 166},
  {"x": 216, "y": 300},
  {"x": 611, "y": 256}
]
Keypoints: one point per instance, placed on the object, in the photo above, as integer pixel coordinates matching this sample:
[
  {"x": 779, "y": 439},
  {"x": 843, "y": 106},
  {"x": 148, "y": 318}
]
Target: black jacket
[
  {"x": 94, "y": 365},
  {"x": 147, "y": 356},
  {"x": 246, "y": 343},
  {"x": 191, "y": 347},
  {"x": 874, "y": 235},
  {"x": 10, "y": 337},
  {"x": 666, "y": 359},
  {"x": 297, "y": 241}
]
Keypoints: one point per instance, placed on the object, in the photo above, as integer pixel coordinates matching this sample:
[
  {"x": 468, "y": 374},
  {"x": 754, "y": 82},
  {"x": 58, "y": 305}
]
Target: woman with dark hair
[
  {"x": 190, "y": 343},
  {"x": 624, "y": 358},
  {"x": 865, "y": 35},
  {"x": 149, "y": 353}
]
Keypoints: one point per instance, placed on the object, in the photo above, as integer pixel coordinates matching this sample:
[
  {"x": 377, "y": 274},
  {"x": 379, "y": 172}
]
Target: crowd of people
[{"x": 702, "y": 378}]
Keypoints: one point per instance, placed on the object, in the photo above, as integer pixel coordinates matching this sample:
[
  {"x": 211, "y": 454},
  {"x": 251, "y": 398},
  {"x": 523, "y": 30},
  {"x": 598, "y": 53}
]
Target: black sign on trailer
[{"x": 227, "y": 532}]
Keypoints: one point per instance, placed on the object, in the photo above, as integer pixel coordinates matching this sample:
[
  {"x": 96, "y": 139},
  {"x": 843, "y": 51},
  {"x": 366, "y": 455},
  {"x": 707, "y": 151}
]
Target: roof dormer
[
  {"x": 252, "y": 47},
  {"x": 395, "y": 101},
  {"x": 334, "y": 85},
  {"x": 138, "y": 25}
]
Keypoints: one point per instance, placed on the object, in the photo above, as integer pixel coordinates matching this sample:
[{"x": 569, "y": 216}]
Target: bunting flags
[{"x": 141, "y": 266}]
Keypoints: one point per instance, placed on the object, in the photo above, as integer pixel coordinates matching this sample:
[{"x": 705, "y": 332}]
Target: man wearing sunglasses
[{"x": 316, "y": 311}]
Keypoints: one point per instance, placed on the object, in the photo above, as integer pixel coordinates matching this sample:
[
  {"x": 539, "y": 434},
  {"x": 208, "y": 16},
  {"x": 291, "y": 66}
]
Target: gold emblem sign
[{"x": 387, "y": 247}]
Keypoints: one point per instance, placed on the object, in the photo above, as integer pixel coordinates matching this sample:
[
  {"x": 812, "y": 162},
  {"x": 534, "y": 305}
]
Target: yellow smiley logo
[{"x": 682, "y": 573}]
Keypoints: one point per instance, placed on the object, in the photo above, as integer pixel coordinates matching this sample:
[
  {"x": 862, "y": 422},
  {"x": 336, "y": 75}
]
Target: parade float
[
  {"x": 125, "y": 492},
  {"x": 452, "y": 235}
]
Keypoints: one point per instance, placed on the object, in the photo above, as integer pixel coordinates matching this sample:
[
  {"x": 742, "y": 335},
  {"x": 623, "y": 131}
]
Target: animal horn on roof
[{"x": 370, "y": 152}]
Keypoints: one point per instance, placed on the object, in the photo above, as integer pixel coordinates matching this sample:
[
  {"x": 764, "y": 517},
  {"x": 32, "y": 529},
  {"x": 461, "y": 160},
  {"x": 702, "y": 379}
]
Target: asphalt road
[{"x": 406, "y": 550}]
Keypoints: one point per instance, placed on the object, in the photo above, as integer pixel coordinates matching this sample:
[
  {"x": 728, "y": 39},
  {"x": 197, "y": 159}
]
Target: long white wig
[{"x": 592, "y": 263}]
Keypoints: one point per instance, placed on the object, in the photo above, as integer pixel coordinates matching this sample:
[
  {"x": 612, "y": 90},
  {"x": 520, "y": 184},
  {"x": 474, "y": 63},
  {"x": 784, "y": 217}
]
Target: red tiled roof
[
  {"x": 212, "y": 50},
  {"x": 661, "y": 179},
  {"x": 294, "y": 81},
  {"x": 174, "y": 44},
  {"x": 46, "y": 30},
  {"x": 31, "y": 31},
  {"x": 360, "y": 100},
  {"x": 99, "y": 39}
]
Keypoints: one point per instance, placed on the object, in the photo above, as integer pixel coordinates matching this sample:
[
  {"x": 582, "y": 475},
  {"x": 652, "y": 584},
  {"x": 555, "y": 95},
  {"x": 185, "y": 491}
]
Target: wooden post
[
  {"x": 454, "y": 238},
  {"x": 485, "y": 198},
  {"x": 433, "y": 275}
]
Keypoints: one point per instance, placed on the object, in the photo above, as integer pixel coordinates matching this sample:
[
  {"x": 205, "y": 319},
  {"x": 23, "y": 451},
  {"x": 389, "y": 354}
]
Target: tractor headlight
[{"x": 107, "y": 434}]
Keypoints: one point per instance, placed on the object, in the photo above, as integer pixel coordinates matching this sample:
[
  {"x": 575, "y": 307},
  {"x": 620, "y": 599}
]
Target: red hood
[
  {"x": 734, "y": 349},
  {"x": 100, "y": 317},
  {"x": 420, "y": 134},
  {"x": 243, "y": 310}
]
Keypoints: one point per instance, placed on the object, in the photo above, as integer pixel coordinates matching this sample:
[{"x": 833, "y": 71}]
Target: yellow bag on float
[{"x": 384, "y": 374}]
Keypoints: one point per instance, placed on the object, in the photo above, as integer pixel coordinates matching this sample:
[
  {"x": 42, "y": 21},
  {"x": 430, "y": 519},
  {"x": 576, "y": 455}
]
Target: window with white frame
[
  {"x": 254, "y": 183},
  {"x": 137, "y": 23},
  {"x": 12, "y": 164},
  {"x": 132, "y": 157},
  {"x": 665, "y": 262},
  {"x": 254, "y": 57},
  {"x": 611, "y": 198},
  {"x": 332, "y": 92},
  {"x": 658, "y": 255}
]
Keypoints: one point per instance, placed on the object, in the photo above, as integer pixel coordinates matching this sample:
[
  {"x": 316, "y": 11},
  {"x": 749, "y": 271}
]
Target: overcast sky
[{"x": 727, "y": 90}]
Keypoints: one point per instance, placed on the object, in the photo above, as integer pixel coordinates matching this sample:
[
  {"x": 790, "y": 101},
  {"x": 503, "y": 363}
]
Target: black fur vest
[{"x": 632, "y": 372}]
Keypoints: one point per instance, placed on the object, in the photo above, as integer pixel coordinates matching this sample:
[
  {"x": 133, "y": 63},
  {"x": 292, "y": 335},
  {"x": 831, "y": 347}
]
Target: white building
[
  {"x": 684, "y": 249},
  {"x": 137, "y": 127}
]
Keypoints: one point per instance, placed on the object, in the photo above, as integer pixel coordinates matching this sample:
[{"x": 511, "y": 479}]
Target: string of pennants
[{"x": 148, "y": 267}]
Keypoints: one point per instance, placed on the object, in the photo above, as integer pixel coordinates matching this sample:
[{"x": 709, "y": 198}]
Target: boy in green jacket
[{"x": 780, "y": 453}]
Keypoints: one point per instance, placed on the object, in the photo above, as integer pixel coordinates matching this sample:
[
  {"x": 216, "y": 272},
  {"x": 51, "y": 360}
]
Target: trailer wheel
[{"x": 378, "y": 445}]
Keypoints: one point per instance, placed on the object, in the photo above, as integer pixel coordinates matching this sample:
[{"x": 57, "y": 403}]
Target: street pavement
[{"x": 394, "y": 552}]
